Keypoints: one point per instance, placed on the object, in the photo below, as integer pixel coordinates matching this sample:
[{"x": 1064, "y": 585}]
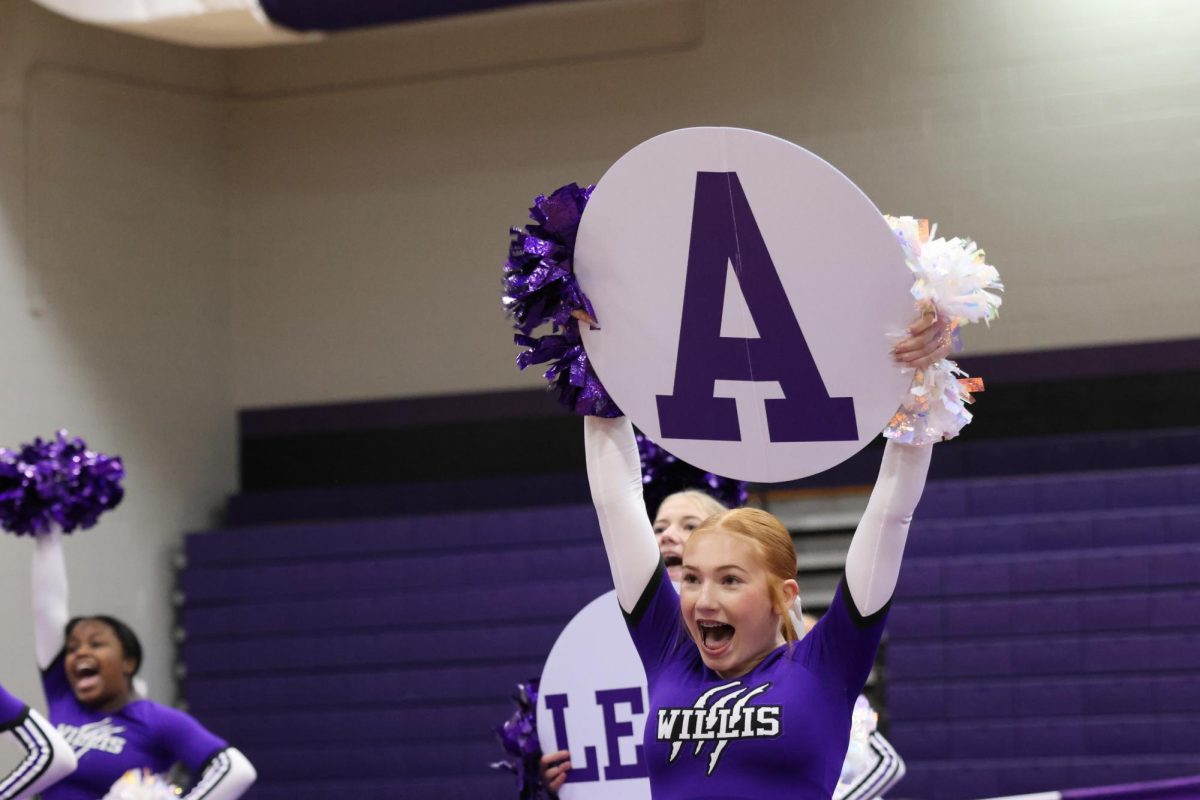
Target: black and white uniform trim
[
  {"x": 888, "y": 770},
  {"x": 39, "y": 754}
]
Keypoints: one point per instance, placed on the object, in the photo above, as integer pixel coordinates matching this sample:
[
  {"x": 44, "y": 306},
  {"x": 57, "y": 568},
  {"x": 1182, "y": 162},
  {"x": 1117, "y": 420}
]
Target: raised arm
[
  {"x": 49, "y": 597},
  {"x": 615, "y": 476},
  {"x": 873, "y": 562}
]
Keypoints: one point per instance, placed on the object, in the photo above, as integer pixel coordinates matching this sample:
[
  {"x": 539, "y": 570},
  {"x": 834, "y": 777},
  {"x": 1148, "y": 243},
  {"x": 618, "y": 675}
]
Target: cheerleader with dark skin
[{"x": 88, "y": 665}]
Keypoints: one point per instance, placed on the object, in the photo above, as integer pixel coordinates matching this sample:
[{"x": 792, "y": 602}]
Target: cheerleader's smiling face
[
  {"x": 726, "y": 602},
  {"x": 97, "y": 667}
]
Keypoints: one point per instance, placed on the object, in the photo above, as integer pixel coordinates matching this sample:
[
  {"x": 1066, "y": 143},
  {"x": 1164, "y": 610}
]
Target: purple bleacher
[
  {"x": 393, "y": 609},
  {"x": 397, "y": 722},
  {"x": 450, "y": 531},
  {"x": 460, "y": 787},
  {"x": 1083, "y": 491},
  {"x": 1028, "y": 458},
  {"x": 354, "y": 502},
  {"x": 1131, "y": 609},
  {"x": 1108, "y": 568},
  {"x": 1045, "y": 632},
  {"x": 303, "y": 641},
  {"x": 352, "y": 577},
  {"x": 925, "y": 699},
  {"x": 959, "y": 779},
  {"x": 1043, "y": 655}
]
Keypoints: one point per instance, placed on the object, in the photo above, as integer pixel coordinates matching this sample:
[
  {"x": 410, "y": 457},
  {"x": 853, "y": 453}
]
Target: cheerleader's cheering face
[
  {"x": 738, "y": 583},
  {"x": 102, "y": 655},
  {"x": 678, "y": 515}
]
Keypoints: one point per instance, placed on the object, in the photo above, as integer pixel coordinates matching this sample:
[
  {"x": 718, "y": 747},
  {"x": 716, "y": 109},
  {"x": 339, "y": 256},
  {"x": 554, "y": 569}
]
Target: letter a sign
[{"x": 747, "y": 294}]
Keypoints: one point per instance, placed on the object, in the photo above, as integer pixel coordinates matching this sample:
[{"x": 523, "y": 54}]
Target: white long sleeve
[
  {"x": 50, "y": 596},
  {"x": 873, "y": 561},
  {"x": 48, "y": 758},
  {"x": 227, "y": 777},
  {"x": 615, "y": 476}
]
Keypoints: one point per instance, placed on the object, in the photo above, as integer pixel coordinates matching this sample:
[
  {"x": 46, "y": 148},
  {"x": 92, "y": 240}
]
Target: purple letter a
[{"x": 724, "y": 231}]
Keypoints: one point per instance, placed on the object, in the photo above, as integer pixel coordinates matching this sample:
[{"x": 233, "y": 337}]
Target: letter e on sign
[{"x": 596, "y": 689}]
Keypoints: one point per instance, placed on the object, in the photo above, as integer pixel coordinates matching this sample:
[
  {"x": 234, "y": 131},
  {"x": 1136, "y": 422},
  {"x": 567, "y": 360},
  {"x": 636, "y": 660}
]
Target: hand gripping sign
[{"x": 745, "y": 291}]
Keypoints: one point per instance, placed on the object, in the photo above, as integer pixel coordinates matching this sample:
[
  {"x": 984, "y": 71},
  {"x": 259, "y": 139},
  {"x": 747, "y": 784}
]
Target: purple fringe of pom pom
[
  {"x": 539, "y": 277},
  {"x": 56, "y": 484},
  {"x": 518, "y": 736},
  {"x": 540, "y": 288},
  {"x": 570, "y": 372},
  {"x": 663, "y": 474}
]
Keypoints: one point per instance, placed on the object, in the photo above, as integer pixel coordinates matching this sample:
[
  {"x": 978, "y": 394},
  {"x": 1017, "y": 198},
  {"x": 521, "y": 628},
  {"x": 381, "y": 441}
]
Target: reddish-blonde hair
[{"x": 775, "y": 548}]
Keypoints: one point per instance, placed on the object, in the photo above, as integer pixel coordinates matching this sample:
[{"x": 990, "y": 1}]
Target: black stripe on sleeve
[
  {"x": 632, "y": 618},
  {"x": 208, "y": 761},
  {"x": 220, "y": 765},
  {"x": 855, "y": 615},
  {"x": 38, "y": 751},
  {"x": 15, "y": 723}
]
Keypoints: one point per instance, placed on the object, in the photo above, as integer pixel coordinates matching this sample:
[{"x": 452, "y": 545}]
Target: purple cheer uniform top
[
  {"x": 141, "y": 735},
  {"x": 780, "y": 730}
]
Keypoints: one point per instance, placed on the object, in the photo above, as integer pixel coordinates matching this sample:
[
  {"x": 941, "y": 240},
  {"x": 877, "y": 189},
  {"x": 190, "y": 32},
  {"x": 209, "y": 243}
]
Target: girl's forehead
[
  {"x": 720, "y": 547},
  {"x": 91, "y": 627},
  {"x": 677, "y": 506}
]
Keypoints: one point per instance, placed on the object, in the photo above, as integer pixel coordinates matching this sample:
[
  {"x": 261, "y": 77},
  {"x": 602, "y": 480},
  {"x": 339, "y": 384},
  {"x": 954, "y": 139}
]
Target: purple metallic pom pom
[
  {"x": 540, "y": 288},
  {"x": 663, "y": 474},
  {"x": 518, "y": 736},
  {"x": 56, "y": 484},
  {"x": 539, "y": 277},
  {"x": 570, "y": 372}
]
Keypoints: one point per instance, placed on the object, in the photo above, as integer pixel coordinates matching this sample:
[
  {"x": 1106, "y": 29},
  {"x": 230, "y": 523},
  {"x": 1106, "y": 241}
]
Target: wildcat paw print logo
[{"x": 719, "y": 716}]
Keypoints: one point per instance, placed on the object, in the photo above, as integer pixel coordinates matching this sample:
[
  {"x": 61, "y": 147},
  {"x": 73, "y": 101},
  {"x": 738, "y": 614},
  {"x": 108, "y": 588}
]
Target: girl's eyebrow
[{"x": 683, "y": 519}]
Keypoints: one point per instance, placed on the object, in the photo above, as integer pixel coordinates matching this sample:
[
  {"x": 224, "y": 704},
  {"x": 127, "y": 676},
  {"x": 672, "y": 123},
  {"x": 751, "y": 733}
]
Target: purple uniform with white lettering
[
  {"x": 143, "y": 734},
  {"x": 781, "y": 730}
]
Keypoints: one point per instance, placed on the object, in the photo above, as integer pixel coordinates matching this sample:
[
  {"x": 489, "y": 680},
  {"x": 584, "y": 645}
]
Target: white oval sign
[
  {"x": 592, "y": 701},
  {"x": 748, "y": 294}
]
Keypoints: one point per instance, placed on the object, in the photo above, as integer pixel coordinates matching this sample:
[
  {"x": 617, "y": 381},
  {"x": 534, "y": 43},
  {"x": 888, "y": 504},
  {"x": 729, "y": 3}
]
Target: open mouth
[
  {"x": 672, "y": 560},
  {"x": 715, "y": 637},
  {"x": 87, "y": 677}
]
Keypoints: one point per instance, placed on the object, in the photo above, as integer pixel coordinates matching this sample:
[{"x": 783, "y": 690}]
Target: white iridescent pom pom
[
  {"x": 949, "y": 274},
  {"x": 142, "y": 785},
  {"x": 859, "y": 757},
  {"x": 952, "y": 277},
  {"x": 935, "y": 408}
]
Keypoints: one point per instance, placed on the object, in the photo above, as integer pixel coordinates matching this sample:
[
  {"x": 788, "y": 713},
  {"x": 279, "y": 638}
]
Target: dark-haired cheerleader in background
[{"x": 87, "y": 665}]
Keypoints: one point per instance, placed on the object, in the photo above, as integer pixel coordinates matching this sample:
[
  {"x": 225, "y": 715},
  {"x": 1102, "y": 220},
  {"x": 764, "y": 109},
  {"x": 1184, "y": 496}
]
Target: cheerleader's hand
[
  {"x": 585, "y": 318},
  {"x": 927, "y": 340},
  {"x": 553, "y": 768}
]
